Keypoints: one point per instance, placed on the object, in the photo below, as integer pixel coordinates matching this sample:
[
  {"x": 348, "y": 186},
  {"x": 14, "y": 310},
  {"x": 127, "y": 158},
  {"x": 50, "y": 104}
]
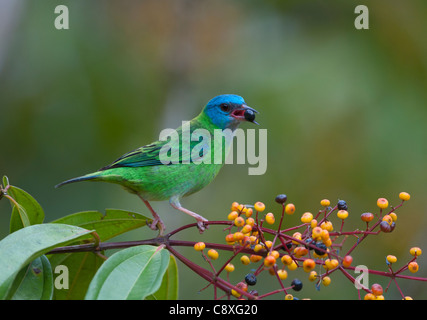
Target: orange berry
[
  {"x": 259, "y": 206},
  {"x": 199, "y": 246},
  {"x": 367, "y": 216},
  {"x": 247, "y": 228},
  {"x": 290, "y": 208},
  {"x": 249, "y": 212},
  {"x": 413, "y": 267},
  {"x": 269, "y": 218},
  {"x": 300, "y": 251},
  {"x": 382, "y": 203},
  {"x": 404, "y": 196},
  {"x": 229, "y": 238},
  {"x": 255, "y": 258},
  {"x": 308, "y": 265},
  {"x": 377, "y": 289},
  {"x": 327, "y": 225},
  {"x": 239, "y": 222},
  {"x": 269, "y": 261},
  {"x": 415, "y": 251},
  {"x": 275, "y": 254},
  {"x": 238, "y": 236},
  {"x": 234, "y": 206},
  {"x": 346, "y": 262},
  {"x": 250, "y": 221}
]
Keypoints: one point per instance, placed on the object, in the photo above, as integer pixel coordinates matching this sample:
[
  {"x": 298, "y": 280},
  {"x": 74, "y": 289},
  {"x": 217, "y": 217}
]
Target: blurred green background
[{"x": 345, "y": 110}]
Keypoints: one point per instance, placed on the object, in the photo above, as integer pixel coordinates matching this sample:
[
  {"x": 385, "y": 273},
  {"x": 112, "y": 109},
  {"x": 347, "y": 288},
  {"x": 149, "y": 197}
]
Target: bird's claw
[
  {"x": 201, "y": 225},
  {"x": 157, "y": 224}
]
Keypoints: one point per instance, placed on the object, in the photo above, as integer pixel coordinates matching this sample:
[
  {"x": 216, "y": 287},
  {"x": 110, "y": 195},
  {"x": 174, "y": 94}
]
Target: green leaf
[
  {"x": 5, "y": 181},
  {"x": 130, "y": 274},
  {"x": 169, "y": 288},
  {"x": 34, "y": 282},
  {"x": 82, "y": 267},
  {"x": 18, "y": 249},
  {"x": 107, "y": 226},
  {"x": 28, "y": 212}
]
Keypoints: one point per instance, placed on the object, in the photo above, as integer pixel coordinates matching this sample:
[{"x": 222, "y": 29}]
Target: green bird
[{"x": 170, "y": 169}]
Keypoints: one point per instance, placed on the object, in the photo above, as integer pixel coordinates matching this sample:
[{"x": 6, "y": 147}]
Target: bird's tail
[{"x": 91, "y": 176}]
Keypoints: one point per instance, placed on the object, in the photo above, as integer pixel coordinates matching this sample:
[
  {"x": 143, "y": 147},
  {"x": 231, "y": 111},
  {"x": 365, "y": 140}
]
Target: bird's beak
[{"x": 239, "y": 113}]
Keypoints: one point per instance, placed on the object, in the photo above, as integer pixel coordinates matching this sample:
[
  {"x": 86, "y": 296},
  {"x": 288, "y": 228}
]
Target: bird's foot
[
  {"x": 201, "y": 225},
  {"x": 157, "y": 224}
]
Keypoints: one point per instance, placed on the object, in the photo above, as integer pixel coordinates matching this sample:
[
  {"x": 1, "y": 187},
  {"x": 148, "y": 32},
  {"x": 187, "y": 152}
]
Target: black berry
[
  {"x": 296, "y": 284},
  {"x": 249, "y": 115},
  {"x": 250, "y": 279},
  {"x": 342, "y": 205},
  {"x": 281, "y": 198}
]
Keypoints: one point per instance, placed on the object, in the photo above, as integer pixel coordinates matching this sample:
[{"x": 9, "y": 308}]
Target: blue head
[{"x": 228, "y": 111}]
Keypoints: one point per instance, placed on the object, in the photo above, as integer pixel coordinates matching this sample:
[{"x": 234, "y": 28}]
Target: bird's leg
[
  {"x": 174, "y": 202},
  {"x": 157, "y": 222}
]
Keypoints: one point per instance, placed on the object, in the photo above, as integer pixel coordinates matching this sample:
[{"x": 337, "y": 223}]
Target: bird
[{"x": 145, "y": 172}]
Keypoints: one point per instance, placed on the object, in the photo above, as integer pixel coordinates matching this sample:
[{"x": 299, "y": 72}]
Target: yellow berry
[
  {"x": 388, "y": 219},
  {"x": 407, "y": 298},
  {"x": 289, "y": 297},
  {"x": 249, "y": 212},
  {"x": 326, "y": 281},
  {"x": 292, "y": 266},
  {"x": 229, "y": 267},
  {"x": 327, "y": 242},
  {"x": 213, "y": 254},
  {"x": 413, "y": 267},
  {"x": 391, "y": 258},
  {"x": 235, "y": 293},
  {"x": 269, "y": 218},
  {"x": 268, "y": 244},
  {"x": 245, "y": 260},
  {"x": 308, "y": 265},
  {"x": 382, "y": 203},
  {"x": 247, "y": 228},
  {"x": 415, "y": 251},
  {"x": 342, "y": 214},
  {"x": 312, "y": 276},
  {"x": 239, "y": 222},
  {"x": 290, "y": 208},
  {"x": 286, "y": 259},
  {"x": 296, "y": 235},
  {"x": 259, "y": 206},
  {"x": 232, "y": 215},
  {"x": 324, "y": 235},
  {"x": 275, "y": 254},
  {"x": 404, "y": 196},
  {"x": 380, "y": 297},
  {"x": 369, "y": 296},
  {"x": 316, "y": 233},
  {"x": 393, "y": 216},
  {"x": 240, "y": 207},
  {"x": 282, "y": 273},
  {"x": 258, "y": 247},
  {"x": 250, "y": 221},
  {"x": 313, "y": 223},
  {"x": 325, "y": 202},
  {"x": 199, "y": 246},
  {"x": 306, "y": 217},
  {"x": 234, "y": 206},
  {"x": 327, "y": 225}
]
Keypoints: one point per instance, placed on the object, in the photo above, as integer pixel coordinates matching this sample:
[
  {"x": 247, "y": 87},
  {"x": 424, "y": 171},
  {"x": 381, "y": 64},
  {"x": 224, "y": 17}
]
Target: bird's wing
[{"x": 149, "y": 155}]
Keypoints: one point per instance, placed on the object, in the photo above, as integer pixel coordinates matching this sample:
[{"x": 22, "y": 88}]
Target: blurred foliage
[{"x": 345, "y": 109}]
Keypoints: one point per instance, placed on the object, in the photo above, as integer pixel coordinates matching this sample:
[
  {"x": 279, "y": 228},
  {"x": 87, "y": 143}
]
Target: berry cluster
[{"x": 313, "y": 246}]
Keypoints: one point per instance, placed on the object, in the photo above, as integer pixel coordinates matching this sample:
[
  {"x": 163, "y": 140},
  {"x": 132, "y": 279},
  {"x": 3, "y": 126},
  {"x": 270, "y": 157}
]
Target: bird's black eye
[{"x": 225, "y": 107}]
